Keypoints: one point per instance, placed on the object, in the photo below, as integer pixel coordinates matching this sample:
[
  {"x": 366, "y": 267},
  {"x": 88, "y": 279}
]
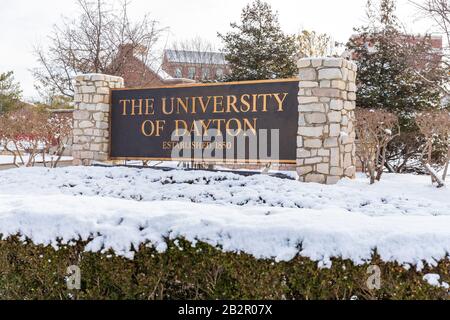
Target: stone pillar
[
  {"x": 326, "y": 134},
  {"x": 91, "y": 117}
]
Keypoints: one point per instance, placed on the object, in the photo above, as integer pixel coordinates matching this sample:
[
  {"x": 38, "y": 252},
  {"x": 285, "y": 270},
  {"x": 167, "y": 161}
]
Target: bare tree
[
  {"x": 27, "y": 132},
  {"x": 375, "y": 129},
  {"x": 313, "y": 44},
  {"x": 22, "y": 134},
  {"x": 199, "y": 54},
  {"x": 435, "y": 126},
  {"x": 438, "y": 11},
  {"x": 56, "y": 136},
  {"x": 94, "y": 43}
]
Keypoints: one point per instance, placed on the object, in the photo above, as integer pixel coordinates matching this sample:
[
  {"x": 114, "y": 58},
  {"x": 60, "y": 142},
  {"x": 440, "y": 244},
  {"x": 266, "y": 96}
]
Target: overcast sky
[{"x": 27, "y": 23}]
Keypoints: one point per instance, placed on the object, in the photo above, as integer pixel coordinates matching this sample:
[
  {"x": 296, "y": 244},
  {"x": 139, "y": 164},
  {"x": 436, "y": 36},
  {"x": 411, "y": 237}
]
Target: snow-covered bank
[
  {"x": 395, "y": 194},
  {"x": 403, "y": 217}
]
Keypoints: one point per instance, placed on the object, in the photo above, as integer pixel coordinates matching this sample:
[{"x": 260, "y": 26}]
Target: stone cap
[
  {"x": 327, "y": 62},
  {"x": 98, "y": 77}
]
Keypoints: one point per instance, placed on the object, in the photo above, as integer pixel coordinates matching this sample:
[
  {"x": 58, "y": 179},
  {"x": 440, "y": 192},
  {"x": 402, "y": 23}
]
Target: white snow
[
  {"x": 403, "y": 217},
  {"x": 434, "y": 280}
]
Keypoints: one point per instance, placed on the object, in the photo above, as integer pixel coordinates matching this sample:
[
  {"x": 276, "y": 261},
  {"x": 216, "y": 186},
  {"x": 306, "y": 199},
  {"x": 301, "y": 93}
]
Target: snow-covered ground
[{"x": 403, "y": 217}]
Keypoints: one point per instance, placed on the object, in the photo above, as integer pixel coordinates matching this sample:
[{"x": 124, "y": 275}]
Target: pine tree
[
  {"x": 10, "y": 92},
  {"x": 397, "y": 72},
  {"x": 257, "y": 48}
]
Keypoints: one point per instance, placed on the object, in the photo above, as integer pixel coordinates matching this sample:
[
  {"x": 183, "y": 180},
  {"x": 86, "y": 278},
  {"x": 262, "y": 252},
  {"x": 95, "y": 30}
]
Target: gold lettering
[
  {"x": 218, "y": 102},
  {"x": 155, "y": 128},
  {"x": 264, "y": 96},
  {"x": 183, "y": 104},
  {"x": 280, "y": 101},
  {"x": 203, "y": 105},
  {"x": 245, "y": 103},
  {"x": 248, "y": 125},
  {"x": 144, "y": 126},
  {"x": 231, "y": 103},
  {"x": 159, "y": 127},
  {"x": 133, "y": 107},
  {"x": 149, "y": 106},
  {"x": 205, "y": 126},
  {"x": 124, "y": 106},
  {"x": 177, "y": 127},
  {"x": 255, "y": 102},
  {"x": 164, "y": 107},
  {"x": 195, "y": 128},
  {"x": 218, "y": 125}
]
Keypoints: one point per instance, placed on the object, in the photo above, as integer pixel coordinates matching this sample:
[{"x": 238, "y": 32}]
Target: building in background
[
  {"x": 195, "y": 65},
  {"x": 137, "y": 72}
]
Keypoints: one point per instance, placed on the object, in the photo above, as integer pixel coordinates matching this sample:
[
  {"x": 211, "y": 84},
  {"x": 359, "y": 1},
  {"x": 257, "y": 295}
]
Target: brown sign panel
[{"x": 147, "y": 124}]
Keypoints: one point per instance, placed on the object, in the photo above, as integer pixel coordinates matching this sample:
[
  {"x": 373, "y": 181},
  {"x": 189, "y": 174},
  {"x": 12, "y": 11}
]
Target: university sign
[
  {"x": 308, "y": 122},
  {"x": 253, "y": 121}
]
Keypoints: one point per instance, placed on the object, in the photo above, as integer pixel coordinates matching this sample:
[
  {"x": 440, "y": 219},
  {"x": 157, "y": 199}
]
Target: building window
[
  {"x": 191, "y": 74},
  {"x": 205, "y": 74},
  {"x": 219, "y": 73},
  {"x": 178, "y": 73}
]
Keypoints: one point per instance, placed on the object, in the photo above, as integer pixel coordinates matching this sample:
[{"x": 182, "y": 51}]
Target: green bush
[{"x": 29, "y": 271}]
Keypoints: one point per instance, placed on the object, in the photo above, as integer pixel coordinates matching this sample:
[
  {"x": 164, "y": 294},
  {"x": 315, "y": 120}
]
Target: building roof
[
  {"x": 195, "y": 57},
  {"x": 156, "y": 68}
]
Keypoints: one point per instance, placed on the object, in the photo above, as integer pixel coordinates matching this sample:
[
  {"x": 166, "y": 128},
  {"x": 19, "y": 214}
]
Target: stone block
[
  {"x": 323, "y": 168},
  {"x": 334, "y": 116},
  {"x": 311, "y": 107},
  {"x": 81, "y": 115},
  {"x": 335, "y": 130},
  {"x": 312, "y": 143},
  {"x": 333, "y": 180},
  {"x": 303, "y": 63},
  {"x": 333, "y": 62},
  {"x": 310, "y": 131},
  {"x": 350, "y": 172},
  {"x": 325, "y": 84},
  {"x": 336, "y": 104},
  {"x": 326, "y": 92},
  {"x": 85, "y": 124},
  {"x": 302, "y": 153},
  {"x": 315, "y": 178},
  {"x": 103, "y": 90},
  {"x": 315, "y": 118},
  {"x": 336, "y": 171},
  {"x": 307, "y": 100},
  {"x": 303, "y": 170},
  {"x": 308, "y": 74},
  {"x": 314, "y": 160},
  {"x": 339, "y": 84},
  {"x": 330, "y": 74}
]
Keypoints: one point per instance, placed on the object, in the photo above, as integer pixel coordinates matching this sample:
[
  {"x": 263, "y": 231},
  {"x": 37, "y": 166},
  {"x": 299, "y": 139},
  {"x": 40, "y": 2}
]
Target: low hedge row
[{"x": 29, "y": 271}]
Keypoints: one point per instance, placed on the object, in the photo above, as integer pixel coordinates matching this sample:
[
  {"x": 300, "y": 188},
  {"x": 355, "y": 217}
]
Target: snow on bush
[
  {"x": 434, "y": 280},
  {"x": 402, "y": 217}
]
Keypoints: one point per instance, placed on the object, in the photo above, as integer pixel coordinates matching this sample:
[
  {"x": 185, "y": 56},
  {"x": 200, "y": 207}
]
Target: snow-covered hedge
[
  {"x": 402, "y": 218},
  {"x": 202, "y": 272}
]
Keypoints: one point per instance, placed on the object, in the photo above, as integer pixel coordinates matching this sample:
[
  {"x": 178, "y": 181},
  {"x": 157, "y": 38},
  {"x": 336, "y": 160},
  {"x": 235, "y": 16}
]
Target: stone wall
[
  {"x": 91, "y": 117},
  {"x": 326, "y": 135}
]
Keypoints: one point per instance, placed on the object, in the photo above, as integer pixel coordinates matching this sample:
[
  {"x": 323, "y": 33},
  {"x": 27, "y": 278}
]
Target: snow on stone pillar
[
  {"x": 91, "y": 117},
  {"x": 326, "y": 134}
]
